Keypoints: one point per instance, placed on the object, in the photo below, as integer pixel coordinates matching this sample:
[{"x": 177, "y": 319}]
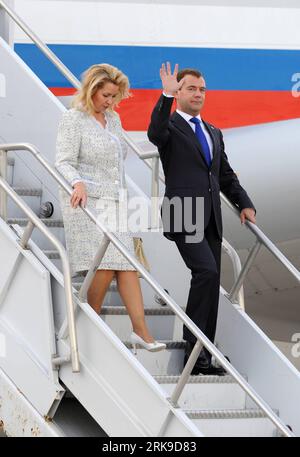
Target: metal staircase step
[
  {"x": 28, "y": 192},
  {"x": 167, "y": 362},
  {"x": 112, "y": 288},
  {"x": 121, "y": 310},
  {"x": 51, "y": 254},
  {"x": 228, "y": 422},
  {"x": 201, "y": 392},
  {"x": 24, "y": 221},
  {"x": 206, "y": 392},
  {"x": 165, "y": 379},
  {"x": 161, "y": 321},
  {"x": 225, "y": 414}
]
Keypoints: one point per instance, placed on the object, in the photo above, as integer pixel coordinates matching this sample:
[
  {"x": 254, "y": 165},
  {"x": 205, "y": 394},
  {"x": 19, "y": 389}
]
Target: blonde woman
[{"x": 90, "y": 153}]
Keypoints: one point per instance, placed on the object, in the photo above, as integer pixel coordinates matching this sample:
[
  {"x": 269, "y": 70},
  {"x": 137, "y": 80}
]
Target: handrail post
[
  {"x": 26, "y": 234},
  {"x": 181, "y": 384},
  {"x": 237, "y": 267},
  {"x": 70, "y": 311},
  {"x": 155, "y": 194},
  {"x": 237, "y": 285},
  {"x": 82, "y": 295},
  {"x": 186, "y": 373},
  {"x": 3, "y": 174}
]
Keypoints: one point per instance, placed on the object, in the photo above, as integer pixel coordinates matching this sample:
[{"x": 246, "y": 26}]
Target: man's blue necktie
[{"x": 202, "y": 140}]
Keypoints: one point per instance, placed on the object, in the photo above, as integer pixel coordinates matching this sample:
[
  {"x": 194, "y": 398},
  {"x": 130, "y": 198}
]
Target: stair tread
[
  {"x": 226, "y": 414},
  {"x": 51, "y": 254},
  {"x": 28, "y": 191},
  {"x": 199, "y": 379},
  {"x": 22, "y": 221},
  {"x": 111, "y": 288},
  {"x": 151, "y": 311}
]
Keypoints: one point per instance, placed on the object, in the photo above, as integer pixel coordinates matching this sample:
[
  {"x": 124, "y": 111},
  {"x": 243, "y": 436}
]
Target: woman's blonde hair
[{"x": 93, "y": 79}]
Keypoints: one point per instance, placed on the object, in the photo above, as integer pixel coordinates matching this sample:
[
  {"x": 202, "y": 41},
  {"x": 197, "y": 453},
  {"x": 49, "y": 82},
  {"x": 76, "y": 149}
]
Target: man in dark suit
[{"x": 196, "y": 167}]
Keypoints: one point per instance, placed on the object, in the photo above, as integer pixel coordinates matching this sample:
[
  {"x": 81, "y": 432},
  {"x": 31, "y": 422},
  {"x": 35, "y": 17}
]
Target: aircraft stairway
[{"x": 64, "y": 370}]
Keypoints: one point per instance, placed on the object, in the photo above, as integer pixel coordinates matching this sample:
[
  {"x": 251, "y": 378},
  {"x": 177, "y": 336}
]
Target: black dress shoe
[
  {"x": 209, "y": 370},
  {"x": 202, "y": 358},
  {"x": 202, "y": 365}
]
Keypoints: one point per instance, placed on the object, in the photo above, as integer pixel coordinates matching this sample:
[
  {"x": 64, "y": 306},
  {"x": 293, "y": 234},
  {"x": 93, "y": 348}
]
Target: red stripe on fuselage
[{"x": 225, "y": 109}]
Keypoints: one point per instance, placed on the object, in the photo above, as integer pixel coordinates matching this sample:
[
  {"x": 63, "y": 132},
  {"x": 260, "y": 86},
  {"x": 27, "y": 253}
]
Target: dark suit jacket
[{"x": 186, "y": 171}]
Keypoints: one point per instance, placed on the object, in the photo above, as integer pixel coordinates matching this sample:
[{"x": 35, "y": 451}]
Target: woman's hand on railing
[
  {"x": 248, "y": 214},
  {"x": 79, "y": 195}
]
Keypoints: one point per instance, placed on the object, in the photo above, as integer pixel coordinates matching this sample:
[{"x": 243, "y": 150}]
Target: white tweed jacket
[{"x": 87, "y": 152}]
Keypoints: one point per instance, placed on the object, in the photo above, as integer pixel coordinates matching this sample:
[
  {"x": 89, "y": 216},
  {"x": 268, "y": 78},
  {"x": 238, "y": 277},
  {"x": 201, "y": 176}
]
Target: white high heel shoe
[{"x": 152, "y": 347}]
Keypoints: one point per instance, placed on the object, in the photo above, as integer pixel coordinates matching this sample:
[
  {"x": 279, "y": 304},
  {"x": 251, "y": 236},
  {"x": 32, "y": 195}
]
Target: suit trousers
[{"x": 204, "y": 261}]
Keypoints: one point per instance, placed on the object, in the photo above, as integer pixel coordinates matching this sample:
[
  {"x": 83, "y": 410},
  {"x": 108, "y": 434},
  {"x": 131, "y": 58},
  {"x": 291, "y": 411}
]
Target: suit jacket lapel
[{"x": 182, "y": 125}]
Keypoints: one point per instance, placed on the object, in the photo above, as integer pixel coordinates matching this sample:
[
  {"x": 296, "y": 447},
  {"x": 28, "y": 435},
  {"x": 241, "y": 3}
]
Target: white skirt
[{"x": 83, "y": 237}]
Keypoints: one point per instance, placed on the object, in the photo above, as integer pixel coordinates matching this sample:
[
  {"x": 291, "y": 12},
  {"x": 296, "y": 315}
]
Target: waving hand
[{"x": 169, "y": 80}]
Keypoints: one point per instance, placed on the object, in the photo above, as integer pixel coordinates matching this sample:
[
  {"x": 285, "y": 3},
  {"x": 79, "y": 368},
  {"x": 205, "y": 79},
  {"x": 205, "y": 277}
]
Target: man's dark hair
[{"x": 188, "y": 71}]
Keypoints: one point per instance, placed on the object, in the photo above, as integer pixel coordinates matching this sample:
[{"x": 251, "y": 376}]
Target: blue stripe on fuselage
[{"x": 224, "y": 69}]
